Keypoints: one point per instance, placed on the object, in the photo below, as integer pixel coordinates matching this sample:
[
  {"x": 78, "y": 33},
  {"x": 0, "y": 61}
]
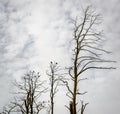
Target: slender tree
[
  {"x": 86, "y": 56},
  {"x": 53, "y": 74}
]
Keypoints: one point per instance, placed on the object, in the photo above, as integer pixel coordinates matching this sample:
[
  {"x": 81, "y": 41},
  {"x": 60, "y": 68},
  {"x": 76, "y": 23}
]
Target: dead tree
[
  {"x": 28, "y": 95},
  {"x": 53, "y": 74},
  {"x": 87, "y": 55}
]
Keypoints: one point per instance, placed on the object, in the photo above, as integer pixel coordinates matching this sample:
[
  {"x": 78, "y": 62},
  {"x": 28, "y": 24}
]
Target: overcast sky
[{"x": 35, "y": 32}]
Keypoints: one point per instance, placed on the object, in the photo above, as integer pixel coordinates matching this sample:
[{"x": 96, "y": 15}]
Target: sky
[{"x": 33, "y": 33}]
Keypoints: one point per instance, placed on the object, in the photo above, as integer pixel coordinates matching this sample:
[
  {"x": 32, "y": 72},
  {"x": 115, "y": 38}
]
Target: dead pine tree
[
  {"x": 53, "y": 74},
  {"x": 87, "y": 55}
]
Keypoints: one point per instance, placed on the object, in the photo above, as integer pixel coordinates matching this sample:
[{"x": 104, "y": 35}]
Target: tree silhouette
[
  {"x": 27, "y": 99},
  {"x": 87, "y": 55},
  {"x": 54, "y": 80}
]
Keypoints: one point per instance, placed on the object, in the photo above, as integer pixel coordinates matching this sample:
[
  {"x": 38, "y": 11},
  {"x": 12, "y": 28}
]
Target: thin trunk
[
  {"x": 52, "y": 94},
  {"x": 31, "y": 104},
  {"x": 75, "y": 77}
]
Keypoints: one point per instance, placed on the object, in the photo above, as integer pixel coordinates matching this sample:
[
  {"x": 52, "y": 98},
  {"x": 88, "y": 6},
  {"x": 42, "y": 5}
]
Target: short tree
[{"x": 28, "y": 95}]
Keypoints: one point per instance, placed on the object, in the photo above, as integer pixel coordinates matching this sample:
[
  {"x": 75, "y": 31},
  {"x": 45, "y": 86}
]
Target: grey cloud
[{"x": 49, "y": 24}]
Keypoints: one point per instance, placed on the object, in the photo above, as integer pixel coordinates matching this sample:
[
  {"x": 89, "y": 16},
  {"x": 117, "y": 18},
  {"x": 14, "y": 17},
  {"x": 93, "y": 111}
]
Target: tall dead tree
[
  {"x": 53, "y": 74},
  {"x": 87, "y": 55}
]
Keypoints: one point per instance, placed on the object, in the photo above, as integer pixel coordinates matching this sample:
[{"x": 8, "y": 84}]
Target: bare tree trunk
[
  {"x": 75, "y": 78},
  {"x": 31, "y": 105},
  {"x": 52, "y": 93},
  {"x": 71, "y": 108}
]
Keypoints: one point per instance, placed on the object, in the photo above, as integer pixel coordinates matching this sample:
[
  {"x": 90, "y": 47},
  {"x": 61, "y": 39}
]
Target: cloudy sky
[{"x": 33, "y": 33}]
